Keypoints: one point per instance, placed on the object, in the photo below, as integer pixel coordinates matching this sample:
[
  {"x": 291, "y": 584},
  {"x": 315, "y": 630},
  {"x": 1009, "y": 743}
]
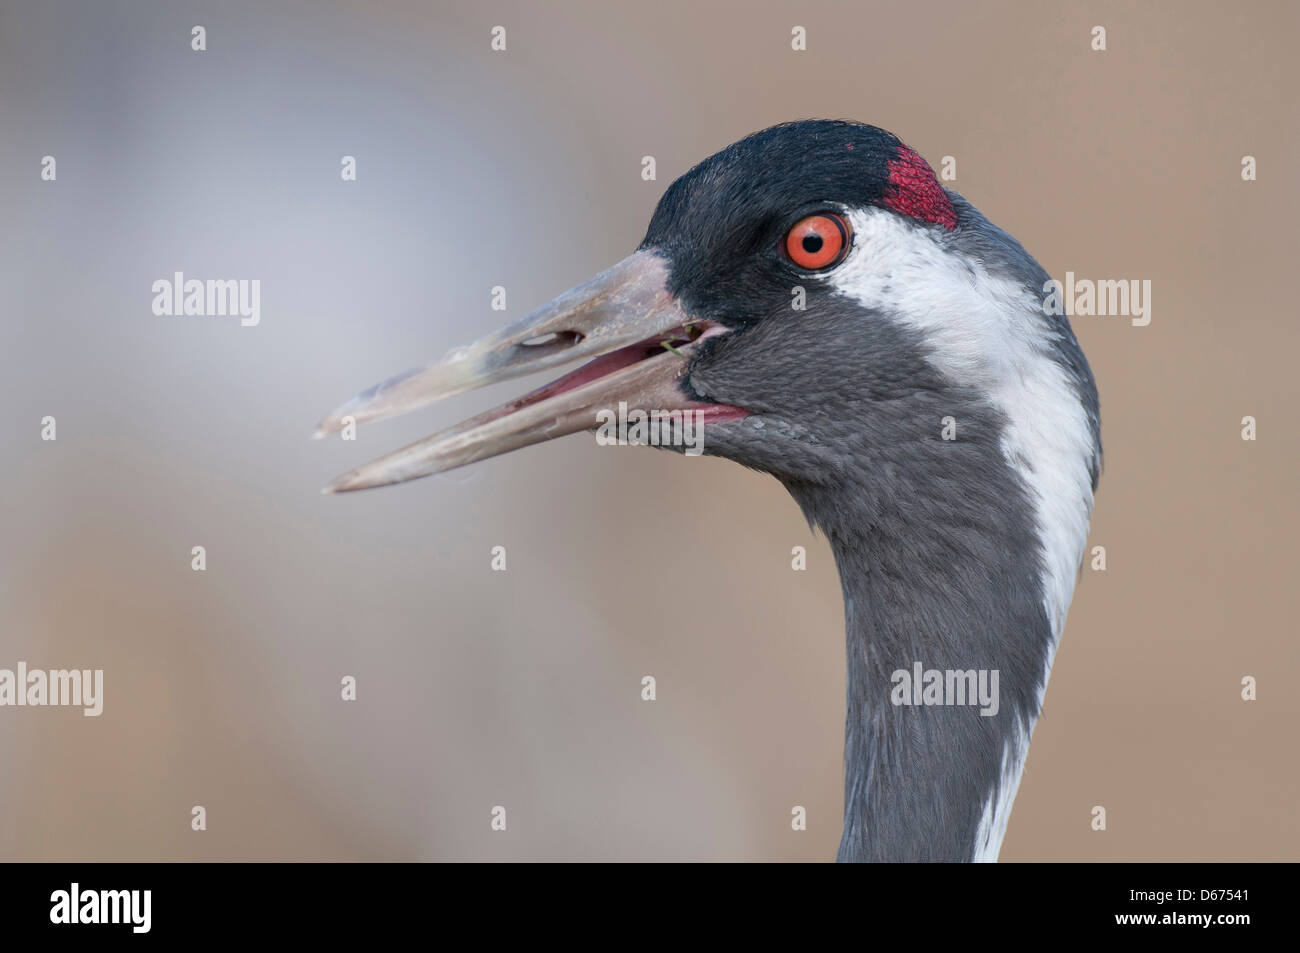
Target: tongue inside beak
[{"x": 625, "y": 316}]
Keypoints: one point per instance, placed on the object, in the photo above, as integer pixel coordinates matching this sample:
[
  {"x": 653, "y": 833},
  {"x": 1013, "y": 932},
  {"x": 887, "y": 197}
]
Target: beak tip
[
  {"x": 336, "y": 486},
  {"x": 331, "y": 424},
  {"x": 350, "y": 481}
]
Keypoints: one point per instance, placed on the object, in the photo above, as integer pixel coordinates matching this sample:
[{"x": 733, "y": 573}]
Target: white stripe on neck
[{"x": 990, "y": 332}]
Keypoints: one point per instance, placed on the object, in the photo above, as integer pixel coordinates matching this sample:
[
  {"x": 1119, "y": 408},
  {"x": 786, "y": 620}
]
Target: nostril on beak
[{"x": 555, "y": 341}]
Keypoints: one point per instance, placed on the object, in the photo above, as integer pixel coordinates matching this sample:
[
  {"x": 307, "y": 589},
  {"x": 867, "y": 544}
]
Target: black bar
[{"x": 374, "y": 901}]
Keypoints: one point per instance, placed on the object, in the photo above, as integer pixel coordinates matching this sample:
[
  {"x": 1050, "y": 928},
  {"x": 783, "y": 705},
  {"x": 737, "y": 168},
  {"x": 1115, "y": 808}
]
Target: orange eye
[{"x": 818, "y": 241}]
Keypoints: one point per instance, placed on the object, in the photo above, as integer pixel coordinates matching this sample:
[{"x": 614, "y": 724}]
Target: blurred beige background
[{"x": 523, "y": 169}]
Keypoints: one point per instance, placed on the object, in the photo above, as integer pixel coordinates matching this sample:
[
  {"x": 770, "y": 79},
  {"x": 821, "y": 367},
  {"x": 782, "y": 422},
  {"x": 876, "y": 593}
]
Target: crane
[{"x": 840, "y": 320}]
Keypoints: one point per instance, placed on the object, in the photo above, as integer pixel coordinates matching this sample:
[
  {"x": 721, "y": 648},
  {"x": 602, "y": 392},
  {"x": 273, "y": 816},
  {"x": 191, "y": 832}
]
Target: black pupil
[{"x": 812, "y": 243}]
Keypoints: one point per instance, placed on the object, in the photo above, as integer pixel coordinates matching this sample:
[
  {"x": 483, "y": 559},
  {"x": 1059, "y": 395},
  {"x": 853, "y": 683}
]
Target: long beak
[{"x": 624, "y": 317}]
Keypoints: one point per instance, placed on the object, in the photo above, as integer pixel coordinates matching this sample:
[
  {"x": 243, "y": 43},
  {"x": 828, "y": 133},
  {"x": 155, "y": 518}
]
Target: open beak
[{"x": 624, "y": 318}]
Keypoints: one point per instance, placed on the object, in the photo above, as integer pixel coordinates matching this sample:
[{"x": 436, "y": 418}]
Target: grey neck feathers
[{"x": 940, "y": 565}]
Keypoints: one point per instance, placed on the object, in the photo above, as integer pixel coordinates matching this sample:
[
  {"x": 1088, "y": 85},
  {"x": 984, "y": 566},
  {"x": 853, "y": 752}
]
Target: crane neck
[{"x": 948, "y": 650}]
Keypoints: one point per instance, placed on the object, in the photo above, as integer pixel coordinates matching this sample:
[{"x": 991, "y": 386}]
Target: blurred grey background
[{"x": 522, "y": 689}]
